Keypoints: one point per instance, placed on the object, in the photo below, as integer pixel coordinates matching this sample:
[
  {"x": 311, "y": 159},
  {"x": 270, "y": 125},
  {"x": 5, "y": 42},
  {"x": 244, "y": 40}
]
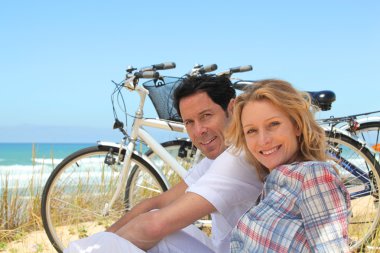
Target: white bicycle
[{"x": 93, "y": 187}]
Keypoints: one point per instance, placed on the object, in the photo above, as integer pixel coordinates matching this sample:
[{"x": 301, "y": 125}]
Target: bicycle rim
[
  {"x": 360, "y": 174},
  {"x": 80, "y": 188}
]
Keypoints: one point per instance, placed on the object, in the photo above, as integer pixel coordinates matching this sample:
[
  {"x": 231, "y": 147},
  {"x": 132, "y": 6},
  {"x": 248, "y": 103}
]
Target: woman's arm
[{"x": 324, "y": 207}]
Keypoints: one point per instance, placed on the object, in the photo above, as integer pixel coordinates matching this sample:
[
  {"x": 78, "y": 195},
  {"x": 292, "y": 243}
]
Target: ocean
[{"x": 22, "y": 162}]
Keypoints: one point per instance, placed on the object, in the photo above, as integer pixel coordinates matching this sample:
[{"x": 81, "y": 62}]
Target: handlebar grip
[
  {"x": 147, "y": 74},
  {"x": 207, "y": 68},
  {"x": 164, "y": 65},
  {"x": 241, "y": 69}
]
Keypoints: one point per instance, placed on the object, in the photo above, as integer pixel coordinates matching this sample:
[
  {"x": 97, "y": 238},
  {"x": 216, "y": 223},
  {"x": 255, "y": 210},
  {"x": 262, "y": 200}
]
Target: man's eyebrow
[
  {"x": 208, "y": 110},
  {"x": 205, "y": 111}
]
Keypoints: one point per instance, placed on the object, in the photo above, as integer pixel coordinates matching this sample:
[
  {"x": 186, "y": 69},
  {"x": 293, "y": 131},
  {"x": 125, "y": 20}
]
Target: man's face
[{"x": 205, "y": 122}]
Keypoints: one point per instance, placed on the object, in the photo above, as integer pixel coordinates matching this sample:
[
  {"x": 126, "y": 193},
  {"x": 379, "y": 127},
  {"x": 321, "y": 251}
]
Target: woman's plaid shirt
[{"x": 304, "y": 208}]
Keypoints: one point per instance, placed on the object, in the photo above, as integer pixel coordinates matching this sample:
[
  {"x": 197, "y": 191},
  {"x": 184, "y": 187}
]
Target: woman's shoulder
[{"x": 306, "y": 169}]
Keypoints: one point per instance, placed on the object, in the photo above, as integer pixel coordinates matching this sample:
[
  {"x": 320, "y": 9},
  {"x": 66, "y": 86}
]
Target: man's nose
[{"x": 200, "y": 128}]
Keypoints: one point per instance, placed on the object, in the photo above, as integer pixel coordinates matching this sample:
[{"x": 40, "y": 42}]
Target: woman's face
[{"x": 270, "y": 134}]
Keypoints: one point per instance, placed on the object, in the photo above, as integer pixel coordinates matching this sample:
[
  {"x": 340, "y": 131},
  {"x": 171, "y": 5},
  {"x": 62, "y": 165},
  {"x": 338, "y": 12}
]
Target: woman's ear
[{"x": 298, "y": 131}]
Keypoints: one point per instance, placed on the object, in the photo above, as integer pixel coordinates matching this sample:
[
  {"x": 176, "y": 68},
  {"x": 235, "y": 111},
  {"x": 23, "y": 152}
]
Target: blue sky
[{"x": 57, "y": 58}]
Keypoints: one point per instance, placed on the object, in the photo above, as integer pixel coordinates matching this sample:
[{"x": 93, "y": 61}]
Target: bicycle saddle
[{"x": 323, "y": 99}]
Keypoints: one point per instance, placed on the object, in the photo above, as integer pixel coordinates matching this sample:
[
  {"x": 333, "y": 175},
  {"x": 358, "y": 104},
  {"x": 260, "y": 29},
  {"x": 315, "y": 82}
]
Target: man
[{"x": 225, "y": 187}]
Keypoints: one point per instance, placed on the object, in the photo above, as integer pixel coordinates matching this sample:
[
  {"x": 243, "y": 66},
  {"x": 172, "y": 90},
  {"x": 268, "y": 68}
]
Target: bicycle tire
[
  {"x": 362, "y": 183},
  {"x": 80, "y": 187}
]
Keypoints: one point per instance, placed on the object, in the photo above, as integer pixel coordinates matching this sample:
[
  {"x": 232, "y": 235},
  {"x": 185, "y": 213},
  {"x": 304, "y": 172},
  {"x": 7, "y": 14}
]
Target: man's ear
[{"x": 230, "y": 107}]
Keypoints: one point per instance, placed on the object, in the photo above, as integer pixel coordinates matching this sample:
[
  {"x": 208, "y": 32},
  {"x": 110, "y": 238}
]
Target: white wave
[
  {"x": 17, "y": 169},
  {"x": 54, "y": 161},
  {"x": 23, "y": 180},
  {"x": 21, "y": 175},
  {"x": 39, "y": 179}
]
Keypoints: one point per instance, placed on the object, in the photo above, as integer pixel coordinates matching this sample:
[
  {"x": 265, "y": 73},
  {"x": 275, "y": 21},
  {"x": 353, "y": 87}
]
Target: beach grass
[
  {"x": 19, "y": 216},
  {"x": 21, "y": 228}
]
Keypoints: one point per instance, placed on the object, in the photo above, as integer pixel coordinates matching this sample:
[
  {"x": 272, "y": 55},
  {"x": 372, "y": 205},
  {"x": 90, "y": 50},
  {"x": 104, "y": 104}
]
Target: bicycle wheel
[
  {"x": 370, "y": 133},
  {"x": 80, "y": 188},
  {"x": 360, "y": 174},
  {"x": 185, "y": 153},
  {"x": 182, "y": 150}
]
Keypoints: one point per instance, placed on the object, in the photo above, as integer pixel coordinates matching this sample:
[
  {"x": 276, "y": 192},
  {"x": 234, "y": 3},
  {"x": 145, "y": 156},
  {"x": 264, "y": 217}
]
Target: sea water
[{"x": 23, "y": 164}]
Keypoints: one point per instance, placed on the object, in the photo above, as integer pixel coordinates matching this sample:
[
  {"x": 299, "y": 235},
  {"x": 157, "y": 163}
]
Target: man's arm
[
  {"x": 147, "y": 229},
  {"x": 147, "y": 205}
]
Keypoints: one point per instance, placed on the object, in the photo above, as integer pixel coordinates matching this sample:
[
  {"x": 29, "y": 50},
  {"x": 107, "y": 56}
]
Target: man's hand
[
  {"x": 150, "y": 204},
  {"x": 147, "y": 229}
]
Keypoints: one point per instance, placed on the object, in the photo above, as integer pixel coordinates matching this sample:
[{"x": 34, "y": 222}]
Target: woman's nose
[{"x": 264, "y": 137}]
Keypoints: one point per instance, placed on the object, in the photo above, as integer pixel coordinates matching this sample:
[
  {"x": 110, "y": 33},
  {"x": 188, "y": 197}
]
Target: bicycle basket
[{"x": 161, "y": 94}]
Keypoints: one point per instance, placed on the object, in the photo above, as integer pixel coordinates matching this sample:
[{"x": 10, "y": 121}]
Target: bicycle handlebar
[
  {"x": 146, "y": 74},
  {"x": 241, "y": 69},
  {"x": 230, "y": 71},
  {"x": 164, "y": 65},
  {"x": 200, "y": 69},
  {"x": 159, "y": 66},
  {"x": 149, "y": 71},
  {"x": 207, "y": 68}
]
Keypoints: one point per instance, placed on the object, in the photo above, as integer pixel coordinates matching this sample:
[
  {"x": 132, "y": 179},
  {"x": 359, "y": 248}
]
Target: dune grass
[
  {"x": 19, "y": 213},
  {"x": 21, "y": 228}
]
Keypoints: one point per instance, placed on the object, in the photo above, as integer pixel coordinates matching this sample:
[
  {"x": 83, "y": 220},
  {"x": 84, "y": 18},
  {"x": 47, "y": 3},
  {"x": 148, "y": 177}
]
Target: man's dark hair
[{"x": 218, "y": 88}]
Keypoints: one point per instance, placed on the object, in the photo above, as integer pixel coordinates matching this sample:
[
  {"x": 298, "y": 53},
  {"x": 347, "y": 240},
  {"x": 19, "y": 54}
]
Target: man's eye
[{"x": 205, "y": 116}]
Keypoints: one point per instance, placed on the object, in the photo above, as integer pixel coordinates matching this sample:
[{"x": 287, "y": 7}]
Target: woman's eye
[
  {"x": 250, "y": 131},
  {"x": 274, "y": 123}
]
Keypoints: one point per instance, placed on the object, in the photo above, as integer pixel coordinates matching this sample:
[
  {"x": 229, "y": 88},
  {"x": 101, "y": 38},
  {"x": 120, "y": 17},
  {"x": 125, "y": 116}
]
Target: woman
[{"x": 304, "y": 205}]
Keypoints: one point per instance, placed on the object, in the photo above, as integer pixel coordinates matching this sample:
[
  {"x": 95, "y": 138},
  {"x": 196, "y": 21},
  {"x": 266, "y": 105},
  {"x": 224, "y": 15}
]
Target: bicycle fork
[{"x": 122, "y": 180}]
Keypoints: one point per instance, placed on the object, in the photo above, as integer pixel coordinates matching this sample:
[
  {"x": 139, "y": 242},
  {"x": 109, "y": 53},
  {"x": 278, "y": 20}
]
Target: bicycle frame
[{"x": 138, "y": 133}]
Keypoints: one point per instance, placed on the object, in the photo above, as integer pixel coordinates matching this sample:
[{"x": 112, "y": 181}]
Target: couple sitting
[{"x": 271, "y": 191}]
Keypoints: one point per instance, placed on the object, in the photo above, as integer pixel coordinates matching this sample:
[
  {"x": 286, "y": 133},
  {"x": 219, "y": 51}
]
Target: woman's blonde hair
[{"x": 296, "y": 104}]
